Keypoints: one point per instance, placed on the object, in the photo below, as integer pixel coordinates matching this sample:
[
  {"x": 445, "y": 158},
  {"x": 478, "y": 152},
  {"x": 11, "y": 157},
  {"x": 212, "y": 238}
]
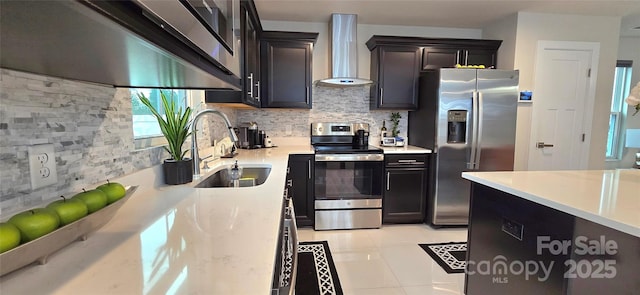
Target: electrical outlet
[
  {"x": 288, "y": 129},
  {"x": 42, "y": 165}
]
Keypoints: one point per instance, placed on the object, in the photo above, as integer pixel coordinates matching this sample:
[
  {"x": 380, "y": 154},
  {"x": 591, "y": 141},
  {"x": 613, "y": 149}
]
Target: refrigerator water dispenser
[{"x": 457, "y": 126}]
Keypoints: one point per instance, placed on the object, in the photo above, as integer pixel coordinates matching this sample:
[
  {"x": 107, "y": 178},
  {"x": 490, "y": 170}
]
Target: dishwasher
[{"x": 286, "y": 259}]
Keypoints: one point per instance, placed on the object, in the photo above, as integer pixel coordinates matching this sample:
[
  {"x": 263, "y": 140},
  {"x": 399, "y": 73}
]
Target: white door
[{"x": 562, "y": 95}]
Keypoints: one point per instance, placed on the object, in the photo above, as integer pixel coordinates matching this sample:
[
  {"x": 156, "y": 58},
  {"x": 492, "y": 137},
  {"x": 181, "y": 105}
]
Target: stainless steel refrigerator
[{"x": 468, "y": 118}]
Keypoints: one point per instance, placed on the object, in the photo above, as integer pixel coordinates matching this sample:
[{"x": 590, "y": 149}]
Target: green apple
[
  {"x": 9, "y": 236},
  {"x": 35, "y": 223},
  {"x": 114, "y": 191},
  {"x": 69, "y": 210},
  {"x": 94, "y": 199}
]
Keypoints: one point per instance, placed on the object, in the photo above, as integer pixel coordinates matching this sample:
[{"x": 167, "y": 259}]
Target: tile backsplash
[
  {"x": 90, "y": 126},
  {"x": 330, "y": 104}
]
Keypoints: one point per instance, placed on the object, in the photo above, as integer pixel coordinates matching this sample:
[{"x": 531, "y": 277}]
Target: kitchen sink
[{"x": 251, "y": 176}]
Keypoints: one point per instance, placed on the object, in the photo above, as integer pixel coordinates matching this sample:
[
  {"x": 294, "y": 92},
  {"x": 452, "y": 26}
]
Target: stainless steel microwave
[{"x": 211, "y": 27}]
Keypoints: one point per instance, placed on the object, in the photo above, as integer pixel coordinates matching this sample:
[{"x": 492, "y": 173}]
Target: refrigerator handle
[
  {"x": 474, "y": 130},
  {"x": 479, "y": 132}
]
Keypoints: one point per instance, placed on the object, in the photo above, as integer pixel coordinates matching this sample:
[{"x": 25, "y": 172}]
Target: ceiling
[{"x": 473, "y": 14}]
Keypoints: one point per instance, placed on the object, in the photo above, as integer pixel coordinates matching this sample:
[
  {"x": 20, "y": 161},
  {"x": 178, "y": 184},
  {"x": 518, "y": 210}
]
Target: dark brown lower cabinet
[
  {"x": 405, "y": 190},
  {"x": 300, "y": 182},
  {"x": 516, "y": 246}
]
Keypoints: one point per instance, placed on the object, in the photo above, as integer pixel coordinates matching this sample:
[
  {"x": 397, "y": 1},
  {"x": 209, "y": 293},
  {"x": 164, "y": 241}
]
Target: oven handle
[{"x": 349, "y": 157}]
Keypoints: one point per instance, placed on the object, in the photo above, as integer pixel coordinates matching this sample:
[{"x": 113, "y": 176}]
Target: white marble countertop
[
  {"x": 607, "y": 197},
  {"x": 169, "y": 239},
  {"x": 407, "y": 149}
]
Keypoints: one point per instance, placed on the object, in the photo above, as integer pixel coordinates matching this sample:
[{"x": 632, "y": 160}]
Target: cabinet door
[
  {"x": 287, "y": 74},
  {"x": 435, "y": 58},
  {"x": 251, "y": 74},
  {"x": 480, "y": 57},
  {"x": 404, "y": 196},
  {"x": 300, "y": 174},
  {"x": 398, "y": 69}
]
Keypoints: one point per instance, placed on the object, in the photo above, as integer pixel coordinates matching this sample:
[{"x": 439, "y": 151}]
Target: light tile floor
[{"x": 388, "y": 261}]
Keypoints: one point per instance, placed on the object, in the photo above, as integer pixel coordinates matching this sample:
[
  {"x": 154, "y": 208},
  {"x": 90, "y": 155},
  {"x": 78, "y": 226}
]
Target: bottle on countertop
[{"x": 383, "y": 130}]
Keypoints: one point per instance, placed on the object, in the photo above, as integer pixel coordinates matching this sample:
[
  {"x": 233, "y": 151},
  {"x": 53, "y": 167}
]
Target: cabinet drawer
[{"x": 406, "y": 160}]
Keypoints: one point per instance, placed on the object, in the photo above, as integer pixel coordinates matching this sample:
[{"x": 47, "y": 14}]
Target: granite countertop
[
  {"x": 607, "y": 197},
  {"x": 175, "y": 239}
]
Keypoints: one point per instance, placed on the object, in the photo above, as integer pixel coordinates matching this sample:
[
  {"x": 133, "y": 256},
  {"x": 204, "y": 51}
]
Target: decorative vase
[{"x": 178, "y": 172}]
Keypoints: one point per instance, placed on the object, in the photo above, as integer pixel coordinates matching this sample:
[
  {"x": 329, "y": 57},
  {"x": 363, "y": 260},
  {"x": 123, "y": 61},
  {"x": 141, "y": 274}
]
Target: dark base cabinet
[
  {"x": 625, "y": 263},
  {"x": 300, "y": 182},
  {"x": 405, "y": 192},
  {"x": 505, "y": 232}
]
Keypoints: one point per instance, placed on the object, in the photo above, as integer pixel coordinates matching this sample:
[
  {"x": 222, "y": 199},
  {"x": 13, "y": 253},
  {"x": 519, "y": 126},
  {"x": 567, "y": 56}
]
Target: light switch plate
[{"x": 42, "y": 165}]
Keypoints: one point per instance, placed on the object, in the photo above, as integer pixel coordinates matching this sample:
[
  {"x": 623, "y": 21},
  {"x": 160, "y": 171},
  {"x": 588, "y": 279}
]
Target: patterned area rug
[
  {"x": 450, "y": 256},
  {"x": 316, "y": 272}
]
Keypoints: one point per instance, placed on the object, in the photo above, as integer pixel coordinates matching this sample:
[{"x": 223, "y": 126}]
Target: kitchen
[{"x": 100, "y": 146}]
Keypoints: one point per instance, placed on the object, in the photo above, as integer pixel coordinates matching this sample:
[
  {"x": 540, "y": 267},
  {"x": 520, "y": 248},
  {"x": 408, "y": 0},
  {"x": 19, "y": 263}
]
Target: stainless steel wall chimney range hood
[{"x": 344, "y": 52}]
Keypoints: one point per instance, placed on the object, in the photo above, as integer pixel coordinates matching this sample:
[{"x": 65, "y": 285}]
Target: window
[
  {"x": 621, "y": 85},
  {"x": 146, "y": 130}
]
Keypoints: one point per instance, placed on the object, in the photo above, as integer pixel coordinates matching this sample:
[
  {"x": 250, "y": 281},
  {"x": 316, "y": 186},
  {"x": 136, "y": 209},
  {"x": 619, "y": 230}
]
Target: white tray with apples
[{"x": 39, "y": 249}]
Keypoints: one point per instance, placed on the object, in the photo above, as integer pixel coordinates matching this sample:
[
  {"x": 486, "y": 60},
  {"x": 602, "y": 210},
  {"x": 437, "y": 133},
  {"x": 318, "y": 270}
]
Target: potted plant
[
  {"x": 395, "y": 120},
  {"x": 175, "y": 126}
]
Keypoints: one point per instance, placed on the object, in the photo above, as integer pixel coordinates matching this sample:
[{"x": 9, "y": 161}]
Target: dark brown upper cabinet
[
  {"x": 249, "y": 95},
  {"x": 434, "y": 57},
  {"x": 250, "y": 30},
  {"x": 396, "y": 63},
  {"x": 286, "y": 68},
  {"x": 395, "y": 71}
]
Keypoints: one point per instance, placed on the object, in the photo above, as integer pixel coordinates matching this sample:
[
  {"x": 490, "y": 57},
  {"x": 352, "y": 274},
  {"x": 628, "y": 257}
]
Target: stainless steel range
[{"x": 348, "y": 177}]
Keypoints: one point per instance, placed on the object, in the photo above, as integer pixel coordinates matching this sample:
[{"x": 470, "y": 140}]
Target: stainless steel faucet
[{"x": 194, "y": 138}]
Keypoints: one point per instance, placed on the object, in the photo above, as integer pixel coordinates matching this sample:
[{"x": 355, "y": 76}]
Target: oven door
[
  {"x": 348, "y": 191},
  {"x": 348, "y": 176}
]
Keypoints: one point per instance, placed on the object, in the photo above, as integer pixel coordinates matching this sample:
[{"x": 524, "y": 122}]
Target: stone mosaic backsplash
[
  {"x": 330, "y": 104},
  {"x": 90, "y": 126}
]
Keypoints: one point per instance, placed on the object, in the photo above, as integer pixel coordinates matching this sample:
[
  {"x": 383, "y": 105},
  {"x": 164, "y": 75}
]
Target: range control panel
[{"x": 332, "y": 129}]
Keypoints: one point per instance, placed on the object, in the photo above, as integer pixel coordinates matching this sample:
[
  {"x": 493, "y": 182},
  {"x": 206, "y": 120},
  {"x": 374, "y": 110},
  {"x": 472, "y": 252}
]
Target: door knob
[{"x": 542, "y": 145}]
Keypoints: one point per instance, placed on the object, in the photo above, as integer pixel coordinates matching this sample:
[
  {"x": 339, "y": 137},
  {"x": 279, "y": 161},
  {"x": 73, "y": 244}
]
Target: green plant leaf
[{"x": 174, "y": 125}]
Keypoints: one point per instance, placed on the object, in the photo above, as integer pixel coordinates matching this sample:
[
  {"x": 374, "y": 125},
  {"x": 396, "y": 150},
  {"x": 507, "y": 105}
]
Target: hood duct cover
[{"x": 344, "y": 52}]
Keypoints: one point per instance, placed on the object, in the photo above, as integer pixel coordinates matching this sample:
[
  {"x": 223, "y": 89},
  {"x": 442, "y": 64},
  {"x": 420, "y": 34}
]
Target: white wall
[
  {"x": 507, "y": 31},
  {"x": 629, "y": 49},
  {"x": 533, "y": 27}
]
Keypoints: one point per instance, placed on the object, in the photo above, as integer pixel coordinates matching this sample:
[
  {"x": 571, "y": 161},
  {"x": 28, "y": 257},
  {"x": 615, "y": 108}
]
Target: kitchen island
[
  {"x": 554, "y": 232},
  {"x": 175, "y": 239}
]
